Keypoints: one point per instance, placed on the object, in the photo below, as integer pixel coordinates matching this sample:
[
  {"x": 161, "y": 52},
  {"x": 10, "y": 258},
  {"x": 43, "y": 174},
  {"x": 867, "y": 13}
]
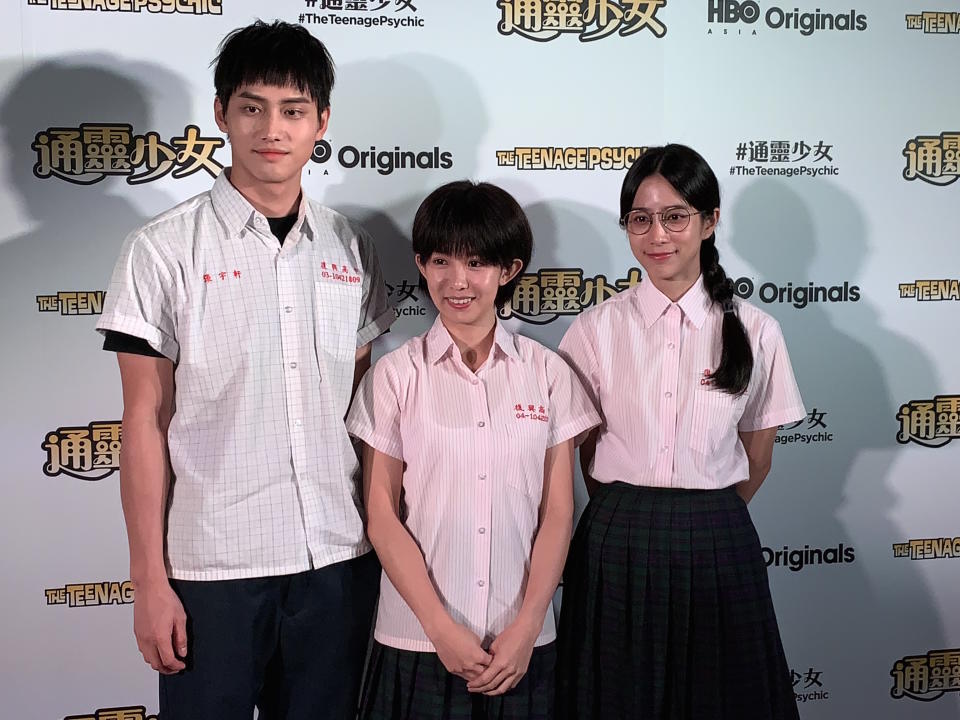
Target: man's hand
[{"x": 160, "y": 626}]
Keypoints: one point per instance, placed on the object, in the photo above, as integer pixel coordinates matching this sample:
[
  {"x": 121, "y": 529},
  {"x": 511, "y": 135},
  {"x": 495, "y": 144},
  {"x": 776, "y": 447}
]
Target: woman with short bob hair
[
  {"x": 468, "y": 435},
  {"x": 666, "y": 609}
]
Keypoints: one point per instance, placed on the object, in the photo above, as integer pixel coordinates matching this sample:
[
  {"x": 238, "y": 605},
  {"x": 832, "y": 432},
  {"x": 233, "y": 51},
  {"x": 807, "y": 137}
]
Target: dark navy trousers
[{"x": 292, "y": 646}]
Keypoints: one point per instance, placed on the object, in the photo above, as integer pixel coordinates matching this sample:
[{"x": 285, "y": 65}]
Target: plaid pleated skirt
[
  {"x": 667, "y": 613},
  {"x": 407, "y": 685}
]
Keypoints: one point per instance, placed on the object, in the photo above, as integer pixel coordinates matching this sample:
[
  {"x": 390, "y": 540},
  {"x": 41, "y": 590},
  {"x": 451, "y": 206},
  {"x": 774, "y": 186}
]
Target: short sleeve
[
  {"x": 578, "y": 349},
  {"x": 374, "y": 416},
  {"x": 376, "y": 313},
  {"x": 572, "y": 413},
  {"x": 774, "y": 398},
  {"x": 140, "y": 299}
]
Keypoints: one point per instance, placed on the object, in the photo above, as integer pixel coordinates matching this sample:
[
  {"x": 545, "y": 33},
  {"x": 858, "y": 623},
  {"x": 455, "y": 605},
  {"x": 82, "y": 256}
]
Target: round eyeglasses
[{"x": 639, "y": 222}]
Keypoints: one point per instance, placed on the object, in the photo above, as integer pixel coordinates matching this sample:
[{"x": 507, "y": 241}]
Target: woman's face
[
  {"x": 669, "y": 257},
  {"x": 464, "y": 289}
]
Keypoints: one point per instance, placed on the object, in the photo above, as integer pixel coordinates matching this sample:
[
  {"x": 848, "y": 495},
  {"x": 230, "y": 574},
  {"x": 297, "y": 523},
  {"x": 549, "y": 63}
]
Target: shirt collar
[
  {"x": 440, "y": 343},
  {"x": 695, "y": 303},
  {"x": 236, "y": 212}
]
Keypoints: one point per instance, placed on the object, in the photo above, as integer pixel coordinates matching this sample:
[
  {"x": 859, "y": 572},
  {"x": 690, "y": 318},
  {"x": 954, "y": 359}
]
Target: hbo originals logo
[{"x": 731, "y": 11}]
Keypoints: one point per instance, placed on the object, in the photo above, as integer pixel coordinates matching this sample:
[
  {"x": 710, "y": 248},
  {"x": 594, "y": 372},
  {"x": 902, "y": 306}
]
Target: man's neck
[{"x": 273, "y": 200}]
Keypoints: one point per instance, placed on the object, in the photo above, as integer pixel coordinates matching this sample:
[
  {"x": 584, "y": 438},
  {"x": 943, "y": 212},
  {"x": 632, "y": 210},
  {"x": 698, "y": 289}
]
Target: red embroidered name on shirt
[
  {"x": 339, "y": 273},
  {"x": 531, "y": 412},
  {"x": 707, "y": 378},
  {"x": 222, "y": 275}
]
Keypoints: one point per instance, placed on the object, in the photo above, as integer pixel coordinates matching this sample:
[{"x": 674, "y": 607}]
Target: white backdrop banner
[{"x": 836, "y": 137}]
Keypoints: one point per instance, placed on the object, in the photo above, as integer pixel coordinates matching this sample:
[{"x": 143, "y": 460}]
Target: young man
[{"x": 242, "y": 321}]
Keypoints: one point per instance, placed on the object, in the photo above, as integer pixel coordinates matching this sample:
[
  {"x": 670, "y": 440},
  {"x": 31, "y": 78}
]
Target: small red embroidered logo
[
  {"x": 707, "y": 378},
  {"x": 221, "y": 275},
  {"x": 339, "y": 272},
  {"x": 531, "y": 411}
]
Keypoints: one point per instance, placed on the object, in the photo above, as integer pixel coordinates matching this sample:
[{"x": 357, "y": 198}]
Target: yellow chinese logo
[
  {"x": 933, "y": 159},
  {"x": 931, "y": 423},
  {"x": 542, "y": 297},
  {"x": 85, "y": 453},
  {"x": 87, "y": 154},
  {"x": 544, "y": 21},
  {"x": 926, "y": 677}
]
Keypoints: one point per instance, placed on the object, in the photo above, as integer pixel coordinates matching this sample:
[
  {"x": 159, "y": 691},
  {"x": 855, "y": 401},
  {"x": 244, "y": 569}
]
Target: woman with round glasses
[{"x": 666, "y": 608}]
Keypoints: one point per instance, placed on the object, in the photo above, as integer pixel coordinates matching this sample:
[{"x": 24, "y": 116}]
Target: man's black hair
[{"x": 278, "y": 54}]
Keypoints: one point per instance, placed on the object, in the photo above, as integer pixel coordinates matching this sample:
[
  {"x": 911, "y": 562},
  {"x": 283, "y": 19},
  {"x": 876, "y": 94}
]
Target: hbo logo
[{"x": 730, "y": 11}]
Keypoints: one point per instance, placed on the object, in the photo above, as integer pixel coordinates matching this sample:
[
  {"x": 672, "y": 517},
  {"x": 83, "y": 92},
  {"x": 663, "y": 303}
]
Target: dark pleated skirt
[
  {"x": 407, "y": 685},
  {"x": 667, "y": 614}
]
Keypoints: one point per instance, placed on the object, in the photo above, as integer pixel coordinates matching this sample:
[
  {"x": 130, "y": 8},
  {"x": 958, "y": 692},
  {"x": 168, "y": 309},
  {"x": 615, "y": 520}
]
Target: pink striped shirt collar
[
  {"x": 439, "y": 342},
  {"x": 695, "y": 303}
]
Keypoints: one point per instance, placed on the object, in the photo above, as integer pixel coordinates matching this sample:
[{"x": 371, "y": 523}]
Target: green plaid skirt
[
  {"x": 407, "y": 685},
  {"x": 667, "y": 614}
]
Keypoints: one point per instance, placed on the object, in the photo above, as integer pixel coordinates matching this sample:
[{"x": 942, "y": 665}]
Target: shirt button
[
  {"x": 480, "y": 583},
  {"x": 668, "y": 394},
  {"x": 288, "y": 309},
  {"x": 482, "y": 530},
  {"x": 671, "y": 345},
  {"x": 664, "y": 448},
  {"x": 483, "y": 476},
  {"x": 298, "y": 423},
  {"x": 293, "y": 366},
  {"x": 481, "y": 423}
]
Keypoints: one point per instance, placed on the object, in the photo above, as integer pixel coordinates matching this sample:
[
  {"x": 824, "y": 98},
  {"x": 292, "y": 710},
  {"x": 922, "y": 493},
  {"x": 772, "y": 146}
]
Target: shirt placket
[
  {"x": 667, "y": 391},
  {"x": 293, "y": 315},
  {"x": 482, "y": 512}
]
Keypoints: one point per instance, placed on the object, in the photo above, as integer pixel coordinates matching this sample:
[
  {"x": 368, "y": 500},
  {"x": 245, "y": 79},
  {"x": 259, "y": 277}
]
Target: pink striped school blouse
[
  {"x": 646, "y": 362},
  {"x": 474, "y": 447}
]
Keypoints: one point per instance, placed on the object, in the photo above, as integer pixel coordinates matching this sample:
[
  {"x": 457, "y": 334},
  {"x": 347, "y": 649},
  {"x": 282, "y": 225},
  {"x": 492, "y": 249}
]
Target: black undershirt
[{"x": 122, "y": 342}]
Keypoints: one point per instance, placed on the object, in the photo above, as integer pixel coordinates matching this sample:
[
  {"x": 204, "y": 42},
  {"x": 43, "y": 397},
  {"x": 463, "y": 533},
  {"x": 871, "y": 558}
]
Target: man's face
[{"x": 272, "y": 131}]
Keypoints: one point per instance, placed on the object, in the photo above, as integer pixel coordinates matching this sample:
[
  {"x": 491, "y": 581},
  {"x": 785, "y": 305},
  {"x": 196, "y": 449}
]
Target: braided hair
[{"x": 690, "y": 175}]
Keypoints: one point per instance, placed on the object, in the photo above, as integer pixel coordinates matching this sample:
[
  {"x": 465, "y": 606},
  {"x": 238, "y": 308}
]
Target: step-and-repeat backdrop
[{"x": 834, "y": 127}]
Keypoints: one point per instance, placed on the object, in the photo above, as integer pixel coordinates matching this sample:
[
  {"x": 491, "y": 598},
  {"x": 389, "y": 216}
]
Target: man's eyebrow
[{"x": 295, "y": 100}]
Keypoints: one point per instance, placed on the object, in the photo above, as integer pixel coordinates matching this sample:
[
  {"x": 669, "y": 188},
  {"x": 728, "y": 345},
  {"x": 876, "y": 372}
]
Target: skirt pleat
[
  {"x": 667, "y": 613},
  {"x": 408, "y": 685}
]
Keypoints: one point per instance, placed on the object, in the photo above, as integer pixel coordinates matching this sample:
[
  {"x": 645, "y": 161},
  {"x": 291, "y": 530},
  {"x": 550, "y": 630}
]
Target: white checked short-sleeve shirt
[
  {"x": 263, "y": 338},
  {"x": 646, "y": 362},
  {"x": 473, "y": 447}
]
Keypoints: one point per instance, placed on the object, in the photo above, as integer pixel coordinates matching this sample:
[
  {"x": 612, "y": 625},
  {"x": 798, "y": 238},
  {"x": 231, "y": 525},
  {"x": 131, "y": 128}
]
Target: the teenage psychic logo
[
  {"x": 165, "y": 7},
  {"x": 814, "y": 432},
  {"x": 937, "y": 548},
  {"x": 808, "y": 685},
  {"x": 128, "y": 712},
  {"x": 931, "y": 423},
  {"x": 72, "y": 302},
  {"x": 935, "y": 22},
  {"x": 931, "y": 290},
  {"x": 382, "y": 160},
  {"x": 91, "y": 594},
  {"x": 742, "y": 18}
]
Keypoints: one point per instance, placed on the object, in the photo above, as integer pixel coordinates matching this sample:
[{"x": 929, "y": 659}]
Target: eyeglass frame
[{"x": 659, "y": 215}]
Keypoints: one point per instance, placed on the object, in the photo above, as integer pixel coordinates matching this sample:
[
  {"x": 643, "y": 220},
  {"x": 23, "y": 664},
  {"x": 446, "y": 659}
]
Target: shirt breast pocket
[
  {"x": 525, "y": 446},
  {"x": 336, "y": 316},
  {"x": 715, "y": 416}
]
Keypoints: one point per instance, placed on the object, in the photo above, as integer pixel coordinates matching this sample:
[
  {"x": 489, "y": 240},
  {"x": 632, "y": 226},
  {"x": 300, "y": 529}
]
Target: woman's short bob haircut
[{"x": 474, "y": 220}]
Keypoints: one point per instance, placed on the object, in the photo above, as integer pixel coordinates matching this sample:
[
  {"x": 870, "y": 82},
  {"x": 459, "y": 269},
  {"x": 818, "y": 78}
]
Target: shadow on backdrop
[{"x": 852, "y": 621}]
